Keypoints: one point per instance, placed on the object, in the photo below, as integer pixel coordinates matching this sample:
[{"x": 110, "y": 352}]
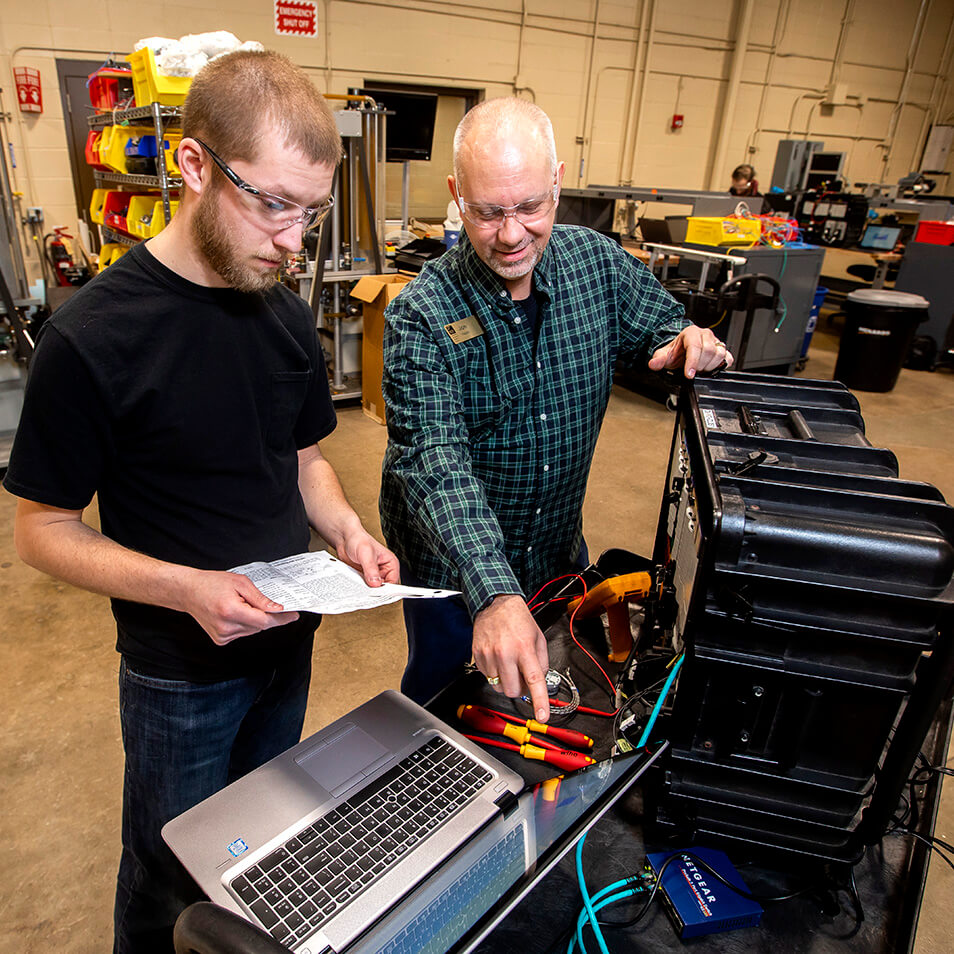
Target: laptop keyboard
[
  {"x": 446, "y": 918},
  {"x": 300, "y": 885}
]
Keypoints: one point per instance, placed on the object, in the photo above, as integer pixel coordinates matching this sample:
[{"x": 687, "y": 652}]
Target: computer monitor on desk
[{"x": 880, "y": 238}]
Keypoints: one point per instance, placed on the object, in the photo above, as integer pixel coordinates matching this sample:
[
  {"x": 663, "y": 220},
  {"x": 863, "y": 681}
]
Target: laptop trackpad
[{"x": 337, "y": 763}]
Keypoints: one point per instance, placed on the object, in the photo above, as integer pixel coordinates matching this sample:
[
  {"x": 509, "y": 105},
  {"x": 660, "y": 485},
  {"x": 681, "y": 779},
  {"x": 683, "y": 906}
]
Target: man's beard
[{"x": 215, "y": 244}]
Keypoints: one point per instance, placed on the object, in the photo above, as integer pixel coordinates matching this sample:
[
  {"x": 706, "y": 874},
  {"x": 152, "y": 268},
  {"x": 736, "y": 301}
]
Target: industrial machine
[
  {"x": 831, "y": 218},
  {"x": 810, "y": 590}
]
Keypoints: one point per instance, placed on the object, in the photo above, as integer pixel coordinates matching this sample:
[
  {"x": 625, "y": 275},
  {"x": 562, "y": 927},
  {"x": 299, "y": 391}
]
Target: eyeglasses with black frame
[
  {"x": 493, "y": 216},
  {"x": 277, "y": 211}
]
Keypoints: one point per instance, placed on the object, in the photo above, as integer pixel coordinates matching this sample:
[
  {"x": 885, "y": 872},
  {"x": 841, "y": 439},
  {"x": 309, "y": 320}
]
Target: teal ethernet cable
[
  {"x": 600, "y": 900},
  {"x": 603, "y": 898},
  {"x": 644, "y": 738}
]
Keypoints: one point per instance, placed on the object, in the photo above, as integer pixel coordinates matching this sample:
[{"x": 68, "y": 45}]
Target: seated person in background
[{"x": 744, "y": 182}]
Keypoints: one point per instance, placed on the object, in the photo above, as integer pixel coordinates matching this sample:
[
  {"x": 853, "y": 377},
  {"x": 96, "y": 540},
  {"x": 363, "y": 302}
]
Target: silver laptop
[
  {"x": 465, "y": 899},
  {"x": 318, "y": 844}
]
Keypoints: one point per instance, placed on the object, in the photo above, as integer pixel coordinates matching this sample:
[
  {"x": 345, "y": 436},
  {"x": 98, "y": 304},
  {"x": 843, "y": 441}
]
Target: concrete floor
[{"x": 59, "y": 743}]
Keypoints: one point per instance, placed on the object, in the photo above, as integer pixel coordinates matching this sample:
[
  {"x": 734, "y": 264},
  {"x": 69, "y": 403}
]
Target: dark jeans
[
  {"x": 440, "y": 634},
  {"x": 183, "y": 742}
]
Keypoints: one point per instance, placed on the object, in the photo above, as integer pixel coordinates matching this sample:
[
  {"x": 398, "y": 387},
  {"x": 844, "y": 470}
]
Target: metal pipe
[
  {"x": 586, "y": 94},
  {"x": 781, "y": 23},
  {"x": 735, "y": 75},
  {"x": 634, "y": 87},
  {"x": 641, "y": 101},
  {"x": 842, "y": 40},
  {"x": 930, "y": 115},
  {"x": 913, "y": 48},
  {"x": 21, "y": 289},
  {"x": 588, "y": 148}
]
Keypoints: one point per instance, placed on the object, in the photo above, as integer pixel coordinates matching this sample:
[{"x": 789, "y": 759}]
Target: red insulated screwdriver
[
  {"x": 486, "y": 721},
  {"x": 561, "y": 758},
  {"x": 566, "y": 736}
]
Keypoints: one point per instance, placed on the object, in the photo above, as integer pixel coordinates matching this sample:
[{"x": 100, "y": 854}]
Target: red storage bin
[
  {"x": 935, "y": 233},
  {"x": 92, "y": 149},
  {"x": 108, "y": 87},
  {"x": 116, "y": 208}
]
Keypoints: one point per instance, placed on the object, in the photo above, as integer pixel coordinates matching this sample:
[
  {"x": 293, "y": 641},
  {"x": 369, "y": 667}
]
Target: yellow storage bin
[
  {"x": 102, "y": 147},
  {"x": 709, "y": 230},
  {"x": 151, "y": 86},
  {"x": 172, "y": 139},
  {"x": 139, "y": 218},
  {"x": 114, "y": 153},
  {"x": 96, "y": 205},
  {"x": 159, "y": 216},
  {"x": 111, "y": 252}
]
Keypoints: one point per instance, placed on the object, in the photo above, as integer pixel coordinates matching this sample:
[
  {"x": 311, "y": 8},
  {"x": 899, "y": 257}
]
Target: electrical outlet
[{"x": 34, "y": 215}]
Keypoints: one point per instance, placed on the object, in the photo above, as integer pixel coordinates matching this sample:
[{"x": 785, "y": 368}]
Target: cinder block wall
[{"x": 611, "y": 73}]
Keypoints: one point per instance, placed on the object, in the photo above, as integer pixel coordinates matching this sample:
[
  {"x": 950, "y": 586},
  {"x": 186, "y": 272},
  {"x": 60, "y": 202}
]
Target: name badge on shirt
[{"x": 464, "y": 330}]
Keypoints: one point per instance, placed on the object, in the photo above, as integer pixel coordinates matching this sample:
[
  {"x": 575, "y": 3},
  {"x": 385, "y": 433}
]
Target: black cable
[
  {"x": 631, "y": 701},
  {"x": 742, "y": 892},
  {"x": 648, "y": 903},
  {"x": 852, "y": 889},
  {"x": 929, "y": 841}
]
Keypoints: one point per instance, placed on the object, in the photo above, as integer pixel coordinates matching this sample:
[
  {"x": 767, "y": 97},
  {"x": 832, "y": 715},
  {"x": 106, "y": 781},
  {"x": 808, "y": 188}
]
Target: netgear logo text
[{"x": 697, "y": 885}]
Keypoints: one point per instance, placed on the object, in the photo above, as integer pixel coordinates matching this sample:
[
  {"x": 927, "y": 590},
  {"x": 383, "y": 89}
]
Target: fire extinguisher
[{"x": 58, "y": 255}]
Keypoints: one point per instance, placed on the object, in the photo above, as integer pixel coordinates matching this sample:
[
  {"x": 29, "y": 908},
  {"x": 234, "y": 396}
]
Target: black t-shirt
[
  {"x": 184, "y": 408},
  {"x": 531, "y": 310}
]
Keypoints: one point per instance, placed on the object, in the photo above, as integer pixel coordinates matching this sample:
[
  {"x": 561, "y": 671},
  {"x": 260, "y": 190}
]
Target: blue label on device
[{"x": 238, "y": 847}]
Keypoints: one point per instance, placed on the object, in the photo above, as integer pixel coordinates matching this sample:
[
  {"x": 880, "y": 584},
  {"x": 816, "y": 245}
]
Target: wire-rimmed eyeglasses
[
  {"x": 493, "y": 216},
  {"x": 280, "y": 213}
]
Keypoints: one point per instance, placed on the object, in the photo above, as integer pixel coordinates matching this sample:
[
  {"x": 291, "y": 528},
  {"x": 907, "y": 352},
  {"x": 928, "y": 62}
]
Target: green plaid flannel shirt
[{"x": 490, "y": 440}]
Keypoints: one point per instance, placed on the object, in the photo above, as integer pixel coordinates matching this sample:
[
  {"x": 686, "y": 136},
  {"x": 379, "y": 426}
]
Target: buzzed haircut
[
  {"x": 501, "y": 116},
  {"x": 234, "y": 100}
]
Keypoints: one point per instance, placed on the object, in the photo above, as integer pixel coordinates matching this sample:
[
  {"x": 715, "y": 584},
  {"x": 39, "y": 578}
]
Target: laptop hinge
[{"x": 506, "y": 802}]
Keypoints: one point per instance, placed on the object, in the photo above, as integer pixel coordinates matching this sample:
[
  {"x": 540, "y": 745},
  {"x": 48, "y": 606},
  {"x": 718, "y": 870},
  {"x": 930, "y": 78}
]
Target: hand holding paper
[{"x": 320, "y": 583}]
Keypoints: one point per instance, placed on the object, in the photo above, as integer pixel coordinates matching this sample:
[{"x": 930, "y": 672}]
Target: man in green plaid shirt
[{"x": 498, "y": 366}]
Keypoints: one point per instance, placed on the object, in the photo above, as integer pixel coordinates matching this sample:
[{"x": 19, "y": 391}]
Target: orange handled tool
[{"x": 611, "y": 597}]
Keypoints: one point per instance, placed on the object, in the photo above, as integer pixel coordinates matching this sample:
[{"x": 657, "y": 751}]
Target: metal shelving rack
[
  {"x": 351, "y": 244},
  {"x": 161, "y": 117}
]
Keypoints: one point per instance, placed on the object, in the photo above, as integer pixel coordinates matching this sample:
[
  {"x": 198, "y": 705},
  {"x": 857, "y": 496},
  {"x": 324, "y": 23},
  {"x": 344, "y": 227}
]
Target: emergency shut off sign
[{"x": 296, "y": 17}]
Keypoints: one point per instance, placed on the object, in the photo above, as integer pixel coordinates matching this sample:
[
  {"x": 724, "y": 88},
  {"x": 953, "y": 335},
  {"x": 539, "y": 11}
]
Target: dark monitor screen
[
  {"x": 826, "y": 161},
  {"x": 410, "y": 123}
]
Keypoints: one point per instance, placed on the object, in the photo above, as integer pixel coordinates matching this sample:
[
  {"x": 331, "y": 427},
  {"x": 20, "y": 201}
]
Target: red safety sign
[
  {"x": 296, "y": 17},
  {"x": 29, "y": 91}
]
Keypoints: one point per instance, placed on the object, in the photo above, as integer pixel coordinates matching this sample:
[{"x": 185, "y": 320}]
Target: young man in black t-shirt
[{"x": 187, "y": 389}]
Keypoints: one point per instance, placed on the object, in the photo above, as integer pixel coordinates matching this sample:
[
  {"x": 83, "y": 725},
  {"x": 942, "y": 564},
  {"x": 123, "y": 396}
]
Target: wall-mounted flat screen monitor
[
  {"x": 410, "y": 123},
  {"x": 826, "y": 162}
]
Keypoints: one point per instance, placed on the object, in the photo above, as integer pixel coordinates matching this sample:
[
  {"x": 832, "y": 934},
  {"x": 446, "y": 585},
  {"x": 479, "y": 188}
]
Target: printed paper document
[{"x": 320, "y": 583}]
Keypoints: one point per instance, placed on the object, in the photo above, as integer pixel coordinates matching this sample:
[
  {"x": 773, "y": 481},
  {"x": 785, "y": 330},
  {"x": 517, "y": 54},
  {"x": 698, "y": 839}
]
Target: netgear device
[{"x": 697, "y": 902}]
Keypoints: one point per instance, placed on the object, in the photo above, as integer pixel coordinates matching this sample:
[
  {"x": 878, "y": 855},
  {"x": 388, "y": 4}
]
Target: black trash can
[{"x": 879, "y": 328}]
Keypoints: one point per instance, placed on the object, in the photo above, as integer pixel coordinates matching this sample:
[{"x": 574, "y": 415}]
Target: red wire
[
  {"x": 566, "y": 576},
  {"x": 559, "y": 703},
  {"x": 583, "y": 648},
  {"x": 532, "y": 606}
]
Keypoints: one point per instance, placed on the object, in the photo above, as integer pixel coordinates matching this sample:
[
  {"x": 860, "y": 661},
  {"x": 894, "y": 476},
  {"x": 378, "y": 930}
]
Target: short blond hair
[{"x": 236, "y": 97}]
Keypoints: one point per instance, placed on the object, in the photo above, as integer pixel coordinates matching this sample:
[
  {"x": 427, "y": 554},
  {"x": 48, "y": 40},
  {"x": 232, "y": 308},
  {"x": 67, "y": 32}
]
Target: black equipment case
[{"x": 811, "y": 590}]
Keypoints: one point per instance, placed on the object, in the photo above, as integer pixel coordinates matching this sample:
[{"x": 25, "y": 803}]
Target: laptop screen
[
  {"x": 880, "y": 238},
  {"x": 460, "y": 904}
]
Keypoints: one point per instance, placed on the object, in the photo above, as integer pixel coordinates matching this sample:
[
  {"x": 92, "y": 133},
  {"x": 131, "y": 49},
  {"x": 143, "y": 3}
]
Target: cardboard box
[{"x": 375, "y": 291}]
